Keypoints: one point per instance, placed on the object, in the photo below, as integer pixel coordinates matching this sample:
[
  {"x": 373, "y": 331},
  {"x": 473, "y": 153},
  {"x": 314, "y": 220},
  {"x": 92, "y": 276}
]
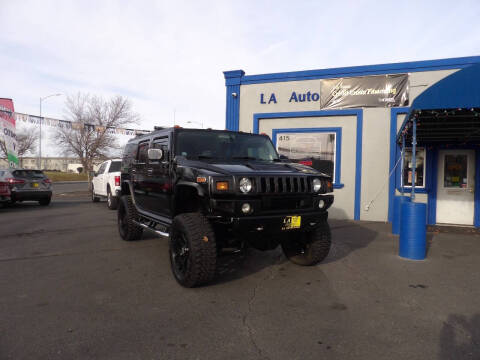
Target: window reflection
[{"x": 419, "y": 168}]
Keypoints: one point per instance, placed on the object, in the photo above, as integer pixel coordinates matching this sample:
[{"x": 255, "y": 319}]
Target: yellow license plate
[
  {"x": 292, "y": 222},
  {"x": 35, "y": 185}
]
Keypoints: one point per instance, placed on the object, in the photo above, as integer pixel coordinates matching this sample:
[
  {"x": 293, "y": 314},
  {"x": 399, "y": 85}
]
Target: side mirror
[
  {"x": 155, "y": 154},
  {"x": 92, "y": 174}
]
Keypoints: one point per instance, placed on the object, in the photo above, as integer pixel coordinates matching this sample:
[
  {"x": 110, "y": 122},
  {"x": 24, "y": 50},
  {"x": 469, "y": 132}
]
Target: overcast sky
[{"x": 169, "y": 56}]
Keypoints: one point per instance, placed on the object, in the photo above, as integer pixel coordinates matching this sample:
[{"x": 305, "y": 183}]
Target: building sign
[
  {"x": 355, "y": 92},
  {"x": 315, "y": 149},
  {"x": 367, "y": 91},
  {"x": 7, "y": 131}
]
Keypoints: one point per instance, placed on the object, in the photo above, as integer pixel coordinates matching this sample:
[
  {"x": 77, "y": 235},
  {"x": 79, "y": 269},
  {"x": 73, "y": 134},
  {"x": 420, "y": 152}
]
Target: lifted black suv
[{"x": 210, "y": 190}]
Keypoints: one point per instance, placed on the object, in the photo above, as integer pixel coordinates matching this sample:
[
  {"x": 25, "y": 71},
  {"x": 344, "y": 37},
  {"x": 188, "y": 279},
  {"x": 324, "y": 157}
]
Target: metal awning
[{"x": 448, "y": 112}]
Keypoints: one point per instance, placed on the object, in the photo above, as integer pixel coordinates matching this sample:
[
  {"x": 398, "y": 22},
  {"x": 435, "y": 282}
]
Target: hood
[{"x": 251, "y": 167}]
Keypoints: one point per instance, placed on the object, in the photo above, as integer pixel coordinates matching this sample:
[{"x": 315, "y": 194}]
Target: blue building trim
[
  {"x": 476, "y": 209},
  {"x": 338, "y": 146},
  {"x": 322, "y": 113},
  {"x": 232, "y": 81},
  {"x": 432, "y": 182},
  {"x": 394, "y": 157},
  {"x": 235, "y": 78},
  {"x": 379, "y": 69},
  {"x": 358, "y": 165}
]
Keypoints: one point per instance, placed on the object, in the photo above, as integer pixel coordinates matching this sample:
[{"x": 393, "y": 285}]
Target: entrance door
[{"x": 455, "y": 192}]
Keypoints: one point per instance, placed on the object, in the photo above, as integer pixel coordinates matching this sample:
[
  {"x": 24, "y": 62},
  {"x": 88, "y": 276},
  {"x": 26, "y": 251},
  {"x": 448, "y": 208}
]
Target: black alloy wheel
[
  {"x": 193, "y": 249},
  {"x": 112, "y": 201},
  {"x": 180, "y": 255},
  {"x": 308, "y": 248},
  {"x": 126, "y": 217}
]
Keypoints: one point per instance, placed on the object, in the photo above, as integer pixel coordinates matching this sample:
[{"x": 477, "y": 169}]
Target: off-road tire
[
  {"x": 308, "y": 248},
  {"x": 126, "y": 215},
  {"x": 112, "y": 201},
  {"x": 201, "y": 262},
  {"x": 45, "y": 202},
  {"x": 94, "y": 198}
]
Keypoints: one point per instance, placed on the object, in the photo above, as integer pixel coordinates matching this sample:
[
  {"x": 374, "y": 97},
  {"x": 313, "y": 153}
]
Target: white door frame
[{"x": 456, "y": 204}]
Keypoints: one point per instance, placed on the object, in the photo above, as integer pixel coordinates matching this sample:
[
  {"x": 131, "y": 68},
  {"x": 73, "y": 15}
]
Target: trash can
[
  {"x": 413, "y": 230},
  {"x": 397, "y": 202}
]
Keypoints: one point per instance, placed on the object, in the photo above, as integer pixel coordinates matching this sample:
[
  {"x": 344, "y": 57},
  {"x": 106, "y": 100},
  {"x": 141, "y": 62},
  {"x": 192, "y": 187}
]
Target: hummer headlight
[
  {"x": 245, "y": 185},
  {"x": 316, "y": 184}
]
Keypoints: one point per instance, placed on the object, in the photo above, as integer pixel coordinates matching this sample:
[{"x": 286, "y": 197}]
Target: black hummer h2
[{"x": 210, "y": 190}]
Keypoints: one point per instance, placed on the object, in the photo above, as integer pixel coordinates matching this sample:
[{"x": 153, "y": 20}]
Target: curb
[{"x": 69, "y": 182}]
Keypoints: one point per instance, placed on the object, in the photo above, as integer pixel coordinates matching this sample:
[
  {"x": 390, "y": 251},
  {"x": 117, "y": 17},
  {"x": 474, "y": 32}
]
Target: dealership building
[{"x": 350, "y": 123}]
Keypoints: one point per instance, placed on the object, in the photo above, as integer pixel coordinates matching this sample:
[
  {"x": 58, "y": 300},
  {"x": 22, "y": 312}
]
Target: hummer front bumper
[{"x": 276, "y": 223}]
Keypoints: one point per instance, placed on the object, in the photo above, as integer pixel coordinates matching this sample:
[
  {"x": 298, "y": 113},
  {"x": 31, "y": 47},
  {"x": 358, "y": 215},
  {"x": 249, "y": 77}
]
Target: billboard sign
[
  {"x": 365, "y": 91},
  {"x": 7, "y": 131}
]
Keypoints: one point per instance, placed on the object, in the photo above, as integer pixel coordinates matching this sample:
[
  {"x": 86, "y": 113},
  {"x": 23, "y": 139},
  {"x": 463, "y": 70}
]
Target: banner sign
[
  {"x": 36, "y": 120},
  {"x": 354, "y": 92},
  {"x": 7, "y": 128},
  {"x": 366, "y": 91}
]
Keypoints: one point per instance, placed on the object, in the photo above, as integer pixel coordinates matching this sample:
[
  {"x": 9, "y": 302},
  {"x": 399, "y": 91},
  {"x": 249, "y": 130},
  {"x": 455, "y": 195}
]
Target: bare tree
[
  {"x": 26, "y": 142},
  {"x": 92, "y": 134}
]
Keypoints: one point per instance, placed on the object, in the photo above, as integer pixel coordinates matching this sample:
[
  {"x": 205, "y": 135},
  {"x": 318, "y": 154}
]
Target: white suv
[{"x": 106, "y": 182}]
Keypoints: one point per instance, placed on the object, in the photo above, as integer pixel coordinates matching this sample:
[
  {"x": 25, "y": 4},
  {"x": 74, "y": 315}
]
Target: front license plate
[
  {"x": 292, "y": 222},
  {"x": 35, "y": 185}
]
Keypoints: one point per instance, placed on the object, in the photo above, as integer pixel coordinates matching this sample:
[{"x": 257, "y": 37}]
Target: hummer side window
[
  {"x": 142, "y": 154},
  {"x": 164, "y": 146}
]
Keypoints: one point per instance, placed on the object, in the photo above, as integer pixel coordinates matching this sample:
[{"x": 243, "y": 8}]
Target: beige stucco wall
[
  {"x": 376, "y": 137},
  {"x": 375, "y": 164}
]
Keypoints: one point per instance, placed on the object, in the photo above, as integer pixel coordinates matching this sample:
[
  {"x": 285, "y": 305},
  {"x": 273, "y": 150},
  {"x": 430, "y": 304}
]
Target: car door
[
  {"x": 158, "y": 175},
  {"x": 140, "y": 183},
  {"x": 97, "y": 179},
  {"x": 104, "y": 179}
]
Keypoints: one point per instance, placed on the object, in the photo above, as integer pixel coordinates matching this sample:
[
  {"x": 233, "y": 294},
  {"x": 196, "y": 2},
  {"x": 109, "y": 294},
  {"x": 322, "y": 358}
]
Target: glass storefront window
[
  {"x": 455, "y": 174},
  {"x": 419, "y": 168},
  {"x": 316, "y": 149}
]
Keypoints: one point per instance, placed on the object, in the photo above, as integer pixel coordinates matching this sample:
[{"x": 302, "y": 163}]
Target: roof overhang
[{"x": 448, "y": 112}]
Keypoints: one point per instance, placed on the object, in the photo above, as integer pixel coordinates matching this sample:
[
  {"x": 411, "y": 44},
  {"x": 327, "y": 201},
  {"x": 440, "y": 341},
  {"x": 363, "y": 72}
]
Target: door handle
[{"x": 134, "y": 171}]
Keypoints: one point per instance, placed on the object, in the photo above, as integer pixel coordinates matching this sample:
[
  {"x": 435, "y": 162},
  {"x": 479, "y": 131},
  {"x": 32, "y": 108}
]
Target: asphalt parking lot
[{"x": 71, "y": 289}]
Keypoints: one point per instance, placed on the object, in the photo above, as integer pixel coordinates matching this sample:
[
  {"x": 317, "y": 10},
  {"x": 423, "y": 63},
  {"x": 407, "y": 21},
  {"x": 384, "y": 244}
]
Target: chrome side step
[{"x": 158, "y": 232}]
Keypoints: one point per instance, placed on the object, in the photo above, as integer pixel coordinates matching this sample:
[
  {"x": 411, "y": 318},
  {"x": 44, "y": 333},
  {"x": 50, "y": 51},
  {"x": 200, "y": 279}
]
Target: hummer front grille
[{"x": 283, "y": 184}]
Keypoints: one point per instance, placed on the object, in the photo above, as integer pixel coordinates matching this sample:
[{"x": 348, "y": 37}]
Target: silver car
[{"x": 27, "y": 185}]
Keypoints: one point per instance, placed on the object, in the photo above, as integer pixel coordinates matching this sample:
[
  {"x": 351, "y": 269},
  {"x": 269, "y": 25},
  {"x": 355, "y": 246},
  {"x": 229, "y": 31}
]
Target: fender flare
[
  {"x": 130, "y": 187},
  {"x": 200, "y": 190}
]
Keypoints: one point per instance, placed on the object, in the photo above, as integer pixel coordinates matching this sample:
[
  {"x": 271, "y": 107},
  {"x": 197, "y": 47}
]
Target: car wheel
[
  {"x": 308, "y": 248},
  {"x": 94, "y": 197},
  {"x": 126, "y": 216},
  {"x": 193, "y": 250},
  {"x": 112, "y": 201},
  {"x": 45, "y": 202}
]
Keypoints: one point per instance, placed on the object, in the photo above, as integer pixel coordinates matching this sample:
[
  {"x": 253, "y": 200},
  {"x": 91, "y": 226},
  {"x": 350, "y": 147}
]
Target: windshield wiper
[{"x": 244, "y": 158}]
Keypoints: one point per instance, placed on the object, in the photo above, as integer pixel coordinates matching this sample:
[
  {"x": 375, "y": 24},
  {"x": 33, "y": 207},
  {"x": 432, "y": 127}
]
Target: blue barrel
[
  {"x": 413, "y": 230},
  {"x": 397, "y": 202}
]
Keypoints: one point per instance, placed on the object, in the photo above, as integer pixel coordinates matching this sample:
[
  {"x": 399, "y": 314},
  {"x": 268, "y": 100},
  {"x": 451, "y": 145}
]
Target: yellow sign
[{"x": 292, "y": 222}]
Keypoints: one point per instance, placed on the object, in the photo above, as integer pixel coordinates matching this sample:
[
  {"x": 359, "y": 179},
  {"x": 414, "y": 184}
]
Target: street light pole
[{"x": 39, "y": 164}]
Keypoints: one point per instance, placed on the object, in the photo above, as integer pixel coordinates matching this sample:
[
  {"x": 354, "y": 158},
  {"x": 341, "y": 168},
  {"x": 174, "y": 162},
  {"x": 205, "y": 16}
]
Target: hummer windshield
[{"x": 199, "y": 145}]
